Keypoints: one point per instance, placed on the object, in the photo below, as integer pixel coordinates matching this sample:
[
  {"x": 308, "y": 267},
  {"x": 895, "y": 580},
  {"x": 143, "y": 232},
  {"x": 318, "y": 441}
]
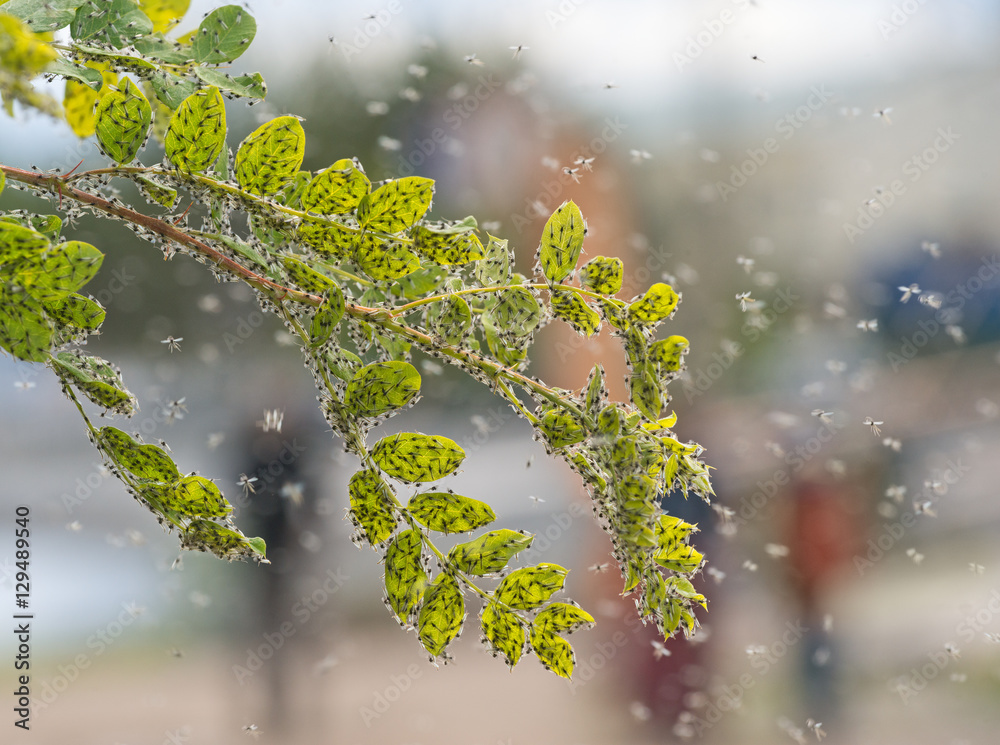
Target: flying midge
[
  {"x": 745, "y": 300},
  {"x": 869, "y": 422},
  {"x": 246, "y": 483},
  {"x": 173, "y": 343},
  {"x": 908, "y": 292}
]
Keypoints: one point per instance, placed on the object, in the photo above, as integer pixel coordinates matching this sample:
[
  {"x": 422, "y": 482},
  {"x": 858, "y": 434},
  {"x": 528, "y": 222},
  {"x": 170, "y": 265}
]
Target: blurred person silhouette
[
  {"x": 280, "y": 499},
  {"x": 824, "y": 530}
]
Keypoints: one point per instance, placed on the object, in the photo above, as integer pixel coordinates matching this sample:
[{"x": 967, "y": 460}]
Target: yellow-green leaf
[
  {"x": 196, "y": 496},
  {"x": 658, "y": 303},
  {"x": 223, "y": 35},
  {"x": 122, "y": 119},
  {"x": 442, "y": 614},
  {"x": 573, "y": 309},
  {"x": 205, "y": 535},
  {"x": 396, "y": 205},
  {"x": 382, "y": 387},
  {"x": 489, "y": 553},
  {"x": 503, "y": 632},
  {"x": 603, "y": 275},
  {"x": 371, "y": 506},
  {"x": 271, "y": 156},
  {"x": 405, "y": 577},
  {"x": 563, "y": 617},
  {"x": 446, "y": 247},
  {"x": 336, "y": 191},
  {"x": 449, "y": 513},
  {"x": 553, "y": 651},
  {"x": 197, "y": 131},
  {"x": 412, "y": 456},
  {"x": 530, "y": 587},
  {"x": 562, "y": 240}
]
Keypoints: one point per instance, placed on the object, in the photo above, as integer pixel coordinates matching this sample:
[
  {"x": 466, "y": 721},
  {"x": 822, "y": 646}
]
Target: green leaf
[
  {"x": 669, "y": 353},
  {"x": 305, "y": 277},
  {"x": 412, "y": 456},
  {"x": 336, "y": 191},
  {"x": 679, "y": 558},
  {"x": 328, "y": 238},
  {"x": 196, "y": 496},
  {"x": 63, "y": 269},
  {"x": 241, "y": 86},
  {"x": 530, "y": 587},
  {"x": 96, "y": 379},
  {"x": 24, "y": 331},
  {"x": 442, "y": 614},
  {"x": 271, "y": 156},
  {"x": 446, "y": 248},
  {"x": 558, "y": 617},
  {"x": 239, "y": 247},
  {"x": 603, "y": 275},
  {"x": 682, "y": 586},
  {"x": 494, "y": 269},
  {"x": 326, "y": 317},
  {"x": 672, "y": 551},
  {"x": 562, "y": 239},
  {"x": 573, "y": 309},
  {"x": 449, "y": 513},
  {"x": 224, "y": 35},
  {"x": 450, "y": 318},
  {"x": 511, "y": 352},
  {"x": 146, "y": 462},
  {"x": 3, "y": 180},
  {"x": 343, "y": 363},
  {"x": 47, "y": 225},
  {"x": 553, "y": 651},
  {"x": 18, "y": 242},
  {"x": 489, "y": 553},
  {"x": 658, "y": 303},
  {"x": 43, "y": 15},
  {"x": 88, "y": 76},
  {"x": 384, "y": 260},
  {"x": 405, "y": 578},
  {"x": 154, "y": 191},
  {"x": 163, "y": 49},
  {"x": 644, "y": 390},
  {"x": 396, "y": 205},
  {"x": 371, "y": 506},
  {"x": 421, "y": 282},
  {"x": 123, "y": 118},
  {"x": 561, "y": 428},
  {"x": 596, "y": 393},
  {"x": 382, "y": 387},
  {"x": 504, "y": 632},
  {"x": 115, "y": 22},
  {"x": 76, "y": 311},
  {"x": 197, "y": 131},
  {"x": 171, "y": 89},
  {"x": 516, "y": 313},
  {"x": 205, "y": 535}
]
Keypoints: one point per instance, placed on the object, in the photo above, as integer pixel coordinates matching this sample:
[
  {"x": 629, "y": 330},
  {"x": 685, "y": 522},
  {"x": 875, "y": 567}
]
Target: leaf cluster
[{"x": 364, "y": 278}]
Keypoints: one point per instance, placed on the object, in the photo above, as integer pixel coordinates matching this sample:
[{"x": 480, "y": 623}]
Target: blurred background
[{"x": 817, "y": 179}]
